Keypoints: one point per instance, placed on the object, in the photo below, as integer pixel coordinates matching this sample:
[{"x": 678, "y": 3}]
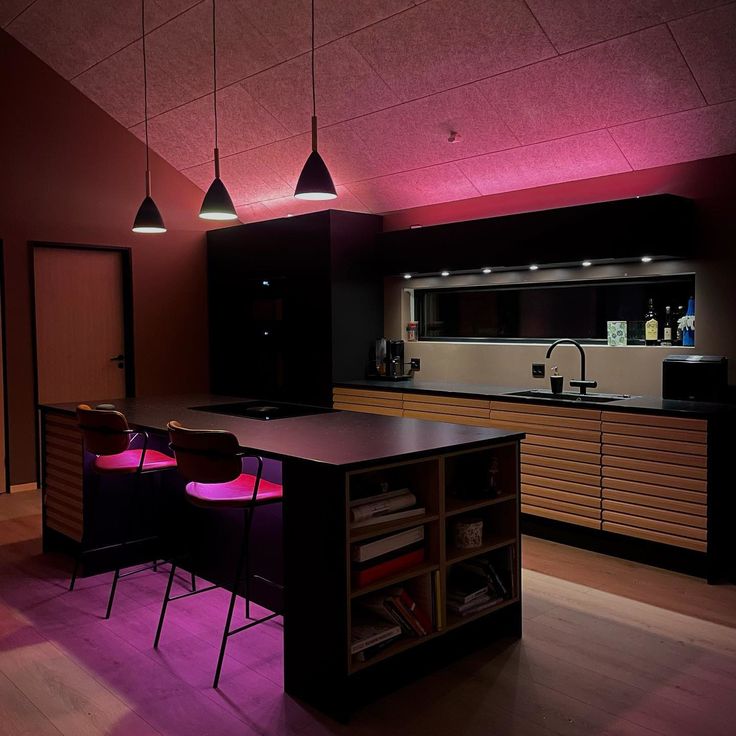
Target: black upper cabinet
[
  {"x": 657, "y": 225},
  {"x": 293, "y": 304}
]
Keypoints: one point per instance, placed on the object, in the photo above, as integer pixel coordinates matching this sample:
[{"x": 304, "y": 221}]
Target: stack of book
[
  {"x": 474, "y": 586},
  {"x": 379, "y": 558},
  {"x": 370, "y": 633},
  {"x": 383, "y": 507}
]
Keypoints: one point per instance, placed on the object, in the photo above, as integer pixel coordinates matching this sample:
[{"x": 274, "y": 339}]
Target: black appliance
[
  {"x": 386, "y": 361},
  {"x": 695, "y": 377},
  {"x": 264, "y": 410}
]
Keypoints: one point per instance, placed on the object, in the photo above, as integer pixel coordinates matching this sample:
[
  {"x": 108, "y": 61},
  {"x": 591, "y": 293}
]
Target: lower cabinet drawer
[
  {"x": 654, "y": 535},
  {"x": 558, "y": 514}
]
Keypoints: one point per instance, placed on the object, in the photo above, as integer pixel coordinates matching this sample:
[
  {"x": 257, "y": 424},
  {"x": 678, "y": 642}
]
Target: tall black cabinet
[{"x": 293, "y": 304}]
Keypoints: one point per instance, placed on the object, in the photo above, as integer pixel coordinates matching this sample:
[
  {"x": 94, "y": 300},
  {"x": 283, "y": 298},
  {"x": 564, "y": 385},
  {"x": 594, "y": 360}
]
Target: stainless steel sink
[{"x": 572, "y": 396}]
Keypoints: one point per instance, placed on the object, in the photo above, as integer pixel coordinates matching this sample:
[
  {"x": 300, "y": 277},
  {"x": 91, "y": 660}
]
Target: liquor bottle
[
  {"x": 667, "y": 329},
  {"x": 651, "y": 325}
]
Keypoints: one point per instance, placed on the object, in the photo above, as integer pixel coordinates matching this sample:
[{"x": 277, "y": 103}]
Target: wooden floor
[{"x": 609, "y": 647}]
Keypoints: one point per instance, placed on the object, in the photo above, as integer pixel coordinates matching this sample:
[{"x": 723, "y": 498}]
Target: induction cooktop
[{"x": 264, "y": 410}]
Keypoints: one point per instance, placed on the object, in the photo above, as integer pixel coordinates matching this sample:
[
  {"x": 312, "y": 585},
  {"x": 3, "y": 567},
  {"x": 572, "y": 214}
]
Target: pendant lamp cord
[
  {"x": 145, "y": 92},
  {"x": 214, "y": 69},
  {"x": 314, "y": 94}
]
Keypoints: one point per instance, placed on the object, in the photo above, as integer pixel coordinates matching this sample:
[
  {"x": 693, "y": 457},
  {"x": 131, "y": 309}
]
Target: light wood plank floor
[{"x": 609, "y": 647}]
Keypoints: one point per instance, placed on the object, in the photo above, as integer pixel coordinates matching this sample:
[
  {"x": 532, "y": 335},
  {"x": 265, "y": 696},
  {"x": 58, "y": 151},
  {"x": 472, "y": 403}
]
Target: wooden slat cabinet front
[
  {"x": 63, "y": 475},
  {"x": 655, "y": 478},
  {"x": 560, "y": 460},
  {"x": 370, "y": 401}
]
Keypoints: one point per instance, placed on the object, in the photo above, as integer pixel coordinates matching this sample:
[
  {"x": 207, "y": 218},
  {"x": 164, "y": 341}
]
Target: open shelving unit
[{"x": 451, "y": 487}]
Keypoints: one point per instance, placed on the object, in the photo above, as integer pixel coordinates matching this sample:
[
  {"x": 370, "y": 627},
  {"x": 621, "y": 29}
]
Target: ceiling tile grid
[
  {"x": 576, "y": 23},
  {"x": 566, "y": 159},
  {"x": 684, "y": 136},
  {"x": 539, "y": 91},
  {"x": 708, "y": 42}
]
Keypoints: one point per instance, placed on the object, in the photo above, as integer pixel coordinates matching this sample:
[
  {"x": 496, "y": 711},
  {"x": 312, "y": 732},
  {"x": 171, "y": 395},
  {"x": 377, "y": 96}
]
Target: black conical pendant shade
[
  {"x": 315, "y": 181},
  {"x": 217, "y": 204},
  {"x": 148, "y": 219}
]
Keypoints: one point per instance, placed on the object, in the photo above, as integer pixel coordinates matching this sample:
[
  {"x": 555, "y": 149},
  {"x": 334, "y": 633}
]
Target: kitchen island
[{"x": 327, "y": 461}]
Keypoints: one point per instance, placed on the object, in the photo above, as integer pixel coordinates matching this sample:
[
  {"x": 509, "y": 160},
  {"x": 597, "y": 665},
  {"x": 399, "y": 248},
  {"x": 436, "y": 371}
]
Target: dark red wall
[{"x": 70, "y": 173}]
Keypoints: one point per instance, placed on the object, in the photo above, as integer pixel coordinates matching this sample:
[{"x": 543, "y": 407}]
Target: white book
[
  {"x": 378, "y": 547},
  {"x": 383, "y": 506},
  {"x": 365, "y": 635},
  {"x": 383, "y": 518},
  {"x": 378, "y": 497}
]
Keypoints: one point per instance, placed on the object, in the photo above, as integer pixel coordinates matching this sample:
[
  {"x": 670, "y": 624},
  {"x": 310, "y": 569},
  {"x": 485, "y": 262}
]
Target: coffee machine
[{"x": 386, "y": 360}]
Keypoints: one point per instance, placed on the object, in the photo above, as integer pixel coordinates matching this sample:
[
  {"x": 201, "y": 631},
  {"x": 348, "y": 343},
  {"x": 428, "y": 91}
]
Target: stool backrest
[
  {"x": 205, "y": 455},
  {"x": 105, "y": 431}
]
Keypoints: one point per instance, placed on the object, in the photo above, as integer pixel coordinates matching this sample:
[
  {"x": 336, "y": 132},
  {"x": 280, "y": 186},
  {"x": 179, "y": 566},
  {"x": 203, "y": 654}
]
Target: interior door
[{"x": 80, "y": 324}]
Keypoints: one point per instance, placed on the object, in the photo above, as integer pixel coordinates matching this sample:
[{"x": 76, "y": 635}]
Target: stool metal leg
[
  {"x": 77, "y": 561},
  {"x": 236, "y": 584},
  {"x": 167, "y": 597}
]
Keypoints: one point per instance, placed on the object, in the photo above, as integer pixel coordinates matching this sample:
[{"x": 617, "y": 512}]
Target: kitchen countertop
[
  {"x": 339, "y": 438},
  {"x": 489, "y": 391}
]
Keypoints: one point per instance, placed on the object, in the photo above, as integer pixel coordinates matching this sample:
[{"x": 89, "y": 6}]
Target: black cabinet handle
[{"x": 117, "y": 358}]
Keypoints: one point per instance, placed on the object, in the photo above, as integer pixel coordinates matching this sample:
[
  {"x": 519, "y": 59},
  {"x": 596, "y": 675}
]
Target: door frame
[
  {"x": 4, "y": 372},
  {"x": 128, "y": 328}
]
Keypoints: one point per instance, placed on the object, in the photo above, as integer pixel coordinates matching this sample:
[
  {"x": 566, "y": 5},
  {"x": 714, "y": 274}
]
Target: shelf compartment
[
  {"x": 378, "y": 530},
  {"x": 493, "y": 542},
  {"x": 454, "y": 620},
  {"x": 499, "y": 529},
  {"x": 456, "y": 506},
  {"x": 414, "y": 572},
  {"x": 473, "y": 479}
]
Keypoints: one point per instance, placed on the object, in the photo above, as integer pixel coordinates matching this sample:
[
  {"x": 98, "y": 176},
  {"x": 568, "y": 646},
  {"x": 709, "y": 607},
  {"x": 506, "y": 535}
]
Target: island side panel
[{"x": 315, "y": 584}]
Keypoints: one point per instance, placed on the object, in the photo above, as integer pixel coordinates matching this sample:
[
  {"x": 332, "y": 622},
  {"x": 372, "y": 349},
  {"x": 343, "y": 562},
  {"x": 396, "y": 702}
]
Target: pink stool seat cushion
[
  {"x": 237, "y": 493},
  {"x": 128, "y": 461}
]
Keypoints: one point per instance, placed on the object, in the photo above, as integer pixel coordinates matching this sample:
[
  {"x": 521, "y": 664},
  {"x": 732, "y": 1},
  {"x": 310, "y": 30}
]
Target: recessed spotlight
[
  {"x": 265, "y": 283},
  {"x": 407, "y": 275},
  {"x": 586, "y": 264},
  {"x": 414, "y": 227},
  {"x": 533, "y": 267},
  {"x": 486, "y": 270},
  {"x": 646, "y": 259},
  {"x": 445, "y": 273}
]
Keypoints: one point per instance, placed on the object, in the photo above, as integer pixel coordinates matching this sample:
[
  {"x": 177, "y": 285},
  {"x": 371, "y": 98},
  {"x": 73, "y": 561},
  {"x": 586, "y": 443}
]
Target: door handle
[{"x": 119, "y": 359}]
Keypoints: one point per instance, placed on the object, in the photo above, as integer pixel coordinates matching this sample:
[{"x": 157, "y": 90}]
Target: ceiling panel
[
  {"x": 346, "y": 87},
  {"x": 568, "y": 159},
  {"x": 708, "y": 41},
  {"x": 576, "y": 23},
  {"x": 10, "y": 9},
  {"x": 185, "y": 136},
  {"x": 248, "y": 177},
  {"x": 345, "y": 154},
  {"x": 116, "y": 85},
  {"x": 444, "y": 43},
  {"x": 685, "y": 136},
  {"x": 415, "y": 134},
  {"x": 443, "y": 183},
  {"x": 72, "y": 35},
  {"x": 630, "y": 78}
]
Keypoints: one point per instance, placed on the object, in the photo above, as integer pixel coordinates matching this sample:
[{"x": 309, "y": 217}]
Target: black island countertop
[
  {"x": 339, "y": 438},
  {"x": 489, "y": 391}
]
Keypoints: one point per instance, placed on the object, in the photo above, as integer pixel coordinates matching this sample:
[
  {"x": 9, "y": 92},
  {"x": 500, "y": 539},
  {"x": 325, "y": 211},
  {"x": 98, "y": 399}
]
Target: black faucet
[{"x": 582, "y": 383}]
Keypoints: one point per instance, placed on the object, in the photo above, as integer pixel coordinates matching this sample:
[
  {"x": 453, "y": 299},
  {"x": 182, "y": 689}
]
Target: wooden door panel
[{"x": 79, "y": 324}]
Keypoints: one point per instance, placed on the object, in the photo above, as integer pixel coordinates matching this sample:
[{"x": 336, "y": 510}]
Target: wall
[
  {"x": 70, "y": 173},
  {"x": 637, "y": 370}
]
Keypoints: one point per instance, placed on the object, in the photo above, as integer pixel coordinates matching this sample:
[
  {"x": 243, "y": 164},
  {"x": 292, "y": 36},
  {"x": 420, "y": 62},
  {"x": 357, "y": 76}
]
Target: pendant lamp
[
  {"x": 217, "y": 204},
  {"x": 315, "y": 181},
  {"x": 148, "y": 219}
]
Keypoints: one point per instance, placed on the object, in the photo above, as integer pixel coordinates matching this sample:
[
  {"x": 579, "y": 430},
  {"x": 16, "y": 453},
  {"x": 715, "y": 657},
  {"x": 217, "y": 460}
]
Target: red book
[
  {"x": 368, "y": 575},
  {"x": 409, "y": 603}
]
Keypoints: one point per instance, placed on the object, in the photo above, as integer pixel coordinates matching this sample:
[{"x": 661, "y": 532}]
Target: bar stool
[
  {"x": 107, "y": 435},
  {"x": 211, "y": 460}
]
